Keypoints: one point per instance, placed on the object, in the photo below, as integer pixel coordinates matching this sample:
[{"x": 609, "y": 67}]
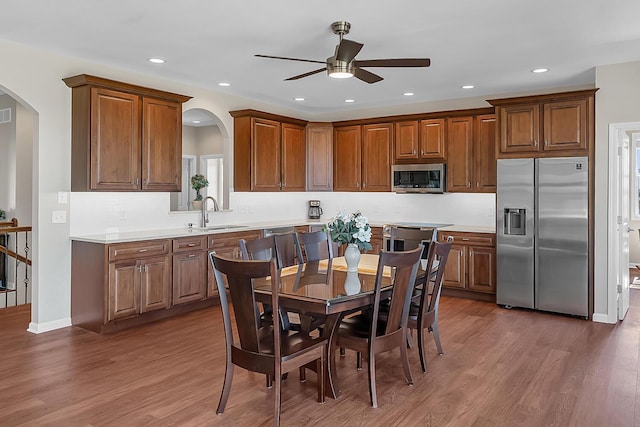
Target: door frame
[{"x": 617, "y": 134}]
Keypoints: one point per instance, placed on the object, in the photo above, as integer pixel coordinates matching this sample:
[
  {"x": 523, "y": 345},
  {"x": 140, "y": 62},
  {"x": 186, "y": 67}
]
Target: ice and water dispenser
[{"x": 514, "y": 221}]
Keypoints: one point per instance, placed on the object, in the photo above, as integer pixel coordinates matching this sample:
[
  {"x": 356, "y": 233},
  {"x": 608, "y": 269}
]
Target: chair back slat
[
  {"x": 404, "y": 265},
  {"x": 286, "y": 249},
  {"x": 263, "y": 248},
  {"x": 238, "y": 276},
  {"x": 314, "y": 246},
  {"x": 438, "y": 254}
]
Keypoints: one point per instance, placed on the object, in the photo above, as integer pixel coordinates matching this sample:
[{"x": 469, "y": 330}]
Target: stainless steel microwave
[{"x": 427, "y": 178}]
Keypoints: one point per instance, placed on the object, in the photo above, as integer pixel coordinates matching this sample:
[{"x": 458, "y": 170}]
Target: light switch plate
[
  {"x": 63, "y": 197},
  {"x": 58, "y": 217}
]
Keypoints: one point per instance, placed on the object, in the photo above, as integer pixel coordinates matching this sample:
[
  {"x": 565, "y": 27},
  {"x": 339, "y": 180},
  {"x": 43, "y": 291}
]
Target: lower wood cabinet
[
  {"x": 138, "y": 286},
  {"x": 227, "y": 245},
  {"x": 471, "y": 266},
  {"x": 189, "y": 277}
]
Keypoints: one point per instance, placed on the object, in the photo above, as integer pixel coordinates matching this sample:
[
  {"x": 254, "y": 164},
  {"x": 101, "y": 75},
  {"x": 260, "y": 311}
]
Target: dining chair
[
  {"x": 368, "y": 332},
  {"x": 282, "y": 248},
  {"x": 314, "y": 246},
  {"x": 261, "y": 347},
  {"x": 424, "y": 314}
]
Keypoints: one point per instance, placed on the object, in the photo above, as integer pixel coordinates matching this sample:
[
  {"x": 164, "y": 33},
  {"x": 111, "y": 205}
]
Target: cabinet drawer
[
  {"x": 217, "y": 241},
  {"x": 476, "y": 239},
  {"x": 189, "y": 244},
  {"x": 142, "y": 249}
]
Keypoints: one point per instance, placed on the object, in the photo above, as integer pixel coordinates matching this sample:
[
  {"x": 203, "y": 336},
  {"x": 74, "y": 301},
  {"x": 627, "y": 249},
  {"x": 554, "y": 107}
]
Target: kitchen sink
[{"x": 219, "y": 227}]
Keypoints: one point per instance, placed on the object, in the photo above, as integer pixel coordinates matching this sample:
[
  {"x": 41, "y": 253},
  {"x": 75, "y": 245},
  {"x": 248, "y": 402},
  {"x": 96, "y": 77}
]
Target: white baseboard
[
  {"x": 38, "y": 328},
  {"x": 603, "y": 318}
]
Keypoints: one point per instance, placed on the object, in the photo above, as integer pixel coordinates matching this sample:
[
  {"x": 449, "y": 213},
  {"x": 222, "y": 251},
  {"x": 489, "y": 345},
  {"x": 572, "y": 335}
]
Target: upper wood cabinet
[
  {"x": 269, "y": 152},
  {"x": 362, "y": 157},
  {"x": 420, "y": 139},
  {"x": 460, "y": 153},
  {"x": 319, "y": 157},
  {"x": 471, "y": 164},
  {"x": 560, "y": 124},
  {"x": 124, "y": 137},
  {"x": 484, "y": 152}
]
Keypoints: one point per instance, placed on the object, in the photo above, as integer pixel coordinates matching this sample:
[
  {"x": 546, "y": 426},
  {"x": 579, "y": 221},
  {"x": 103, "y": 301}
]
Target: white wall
[
  {"x": 616, "y": 102},
  {"x": 34, "y": 77}
]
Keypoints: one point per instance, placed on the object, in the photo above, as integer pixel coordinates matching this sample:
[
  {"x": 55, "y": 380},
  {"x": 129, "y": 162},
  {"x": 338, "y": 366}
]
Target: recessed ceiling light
[
  {"x": 195, "y": 121},
  {"x": 408, "y": 94},
  {"x": 157, "y": 60},
  {"x": 224, "y": 84},
  {"x": 298, "y": 99},
  {"x": 540, "y": 70},
  {"x": 468, "y": 87},
  {"x": 349, "y": 100}
]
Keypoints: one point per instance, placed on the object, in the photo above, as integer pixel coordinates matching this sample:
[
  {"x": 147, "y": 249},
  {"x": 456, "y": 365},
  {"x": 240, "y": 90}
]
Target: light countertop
[{"x": 132, "y": 236}]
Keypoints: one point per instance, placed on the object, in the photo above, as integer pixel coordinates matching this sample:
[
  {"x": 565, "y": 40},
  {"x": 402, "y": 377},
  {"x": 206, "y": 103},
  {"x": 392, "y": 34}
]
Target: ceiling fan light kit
[{"x": 343, "y": 65}]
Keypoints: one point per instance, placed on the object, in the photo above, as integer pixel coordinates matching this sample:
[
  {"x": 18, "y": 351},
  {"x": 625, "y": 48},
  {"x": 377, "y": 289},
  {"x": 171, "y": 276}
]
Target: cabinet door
[
  {"x": 293, "y": 158},
  {"x": 455, "y": 272},
  {"x": 376, "y": 241},
  {"x": 346, "y": 158},
  {"x": 319, "y": 158},
  {"x": 189, "y": 277},
  {"x": 115, "y": 140},
  {"x": 161, "y": 145},
  {"x": 519, "y": 128},
  {"x": 265, "y": 155},
  {"x": 124, "y": 289},
  {"x": 565, "y": 125},
  {"x": 459, "y": 154},
  {"x": 376, "y": 157},
  {"x": 406, "y": 142},
  {"x": 432, "y": 139},
  {"x": 156, "y": 283},
  {"x": 482, "y": 271},
  {"x": 485, "y": 174}
]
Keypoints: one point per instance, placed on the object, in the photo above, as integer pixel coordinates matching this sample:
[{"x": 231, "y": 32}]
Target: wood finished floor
[{"x": 500, "y": 368}]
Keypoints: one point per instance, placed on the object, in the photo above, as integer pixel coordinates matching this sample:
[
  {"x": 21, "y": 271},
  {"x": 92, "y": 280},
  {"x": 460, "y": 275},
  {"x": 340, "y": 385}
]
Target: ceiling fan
[{"x": 343, "y": 63}]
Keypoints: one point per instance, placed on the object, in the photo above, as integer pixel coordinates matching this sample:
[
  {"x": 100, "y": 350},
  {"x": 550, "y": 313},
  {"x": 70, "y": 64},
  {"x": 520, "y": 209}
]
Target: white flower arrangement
[{"x": 350, "y": 228}]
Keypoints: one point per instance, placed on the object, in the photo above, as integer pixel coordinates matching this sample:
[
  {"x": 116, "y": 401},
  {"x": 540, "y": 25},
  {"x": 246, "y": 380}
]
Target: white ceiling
[{"x": 492, "y": 44}]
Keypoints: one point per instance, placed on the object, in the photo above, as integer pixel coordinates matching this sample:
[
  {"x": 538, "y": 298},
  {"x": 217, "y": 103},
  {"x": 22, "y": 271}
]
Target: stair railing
[{"x": 14, "y": 253}]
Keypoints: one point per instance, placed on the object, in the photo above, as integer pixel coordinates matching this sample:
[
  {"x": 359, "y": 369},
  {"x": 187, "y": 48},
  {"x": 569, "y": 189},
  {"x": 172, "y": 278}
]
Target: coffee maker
[{"x": 314, "y": 209}]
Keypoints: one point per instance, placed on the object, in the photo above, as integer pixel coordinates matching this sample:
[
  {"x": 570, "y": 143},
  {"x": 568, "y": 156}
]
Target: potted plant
[{"x": 198, "y": 182}]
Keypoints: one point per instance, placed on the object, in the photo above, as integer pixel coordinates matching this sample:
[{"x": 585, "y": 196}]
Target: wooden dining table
[{"x": 316, "y": 291}]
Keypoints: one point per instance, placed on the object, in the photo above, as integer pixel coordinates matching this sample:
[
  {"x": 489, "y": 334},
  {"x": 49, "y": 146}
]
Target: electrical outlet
[
  {"x": 58, "y": 217},
  {"x": 123, "y": 215},
  {"x": 244, "y": 209}
]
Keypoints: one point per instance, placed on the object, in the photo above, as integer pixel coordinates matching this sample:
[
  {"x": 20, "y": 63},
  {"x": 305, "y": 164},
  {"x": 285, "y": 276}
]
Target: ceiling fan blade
[
  {"x": 367, "y": 76},
  {"x": 347, "y": 50},
  {"x": 400, "y": 62},
  {"x": 290, "y": 59},
  {"x": 310, "y": 73}
]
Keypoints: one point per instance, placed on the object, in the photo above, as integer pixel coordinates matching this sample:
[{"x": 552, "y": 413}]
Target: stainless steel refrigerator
[{"x": 542, "y": 232}]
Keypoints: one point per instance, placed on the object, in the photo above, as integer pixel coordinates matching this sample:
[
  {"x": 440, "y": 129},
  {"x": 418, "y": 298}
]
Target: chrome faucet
[{"x": 205, "y": 215}]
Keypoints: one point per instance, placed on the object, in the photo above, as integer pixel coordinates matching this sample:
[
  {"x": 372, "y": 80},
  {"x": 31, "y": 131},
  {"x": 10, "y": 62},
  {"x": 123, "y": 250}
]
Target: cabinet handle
[
  {"x": 140, "y": 268},
  {"x": 191, "y": 256},
  {"x": 191, "y": 245},
  {"x": 464, "y": 239},
  {"x": 142, "y": 250},
  {"x": 146, "y": 268},
  {"x": 477, "y": 184},
  {"x": 469, "y": 184},
  {"x": 546, "y": 143}
]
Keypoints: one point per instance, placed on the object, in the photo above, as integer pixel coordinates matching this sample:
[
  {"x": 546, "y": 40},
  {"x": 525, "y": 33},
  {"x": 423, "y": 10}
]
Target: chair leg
[
  {"x": 359, "y": 361},
  {"x": 269, "y": 381},
  {"x": 226, "y": 388},
  {"x": 436, "y": 337},
  {"x": 372, "y": 380},
  {"x": 423, "y": 362},
  {"x": 342, "y": 352},
  {"x": 277, "y": 397},
  {"x": 404, "y": 356},
  {"x": 303, "y": 375},
  {"x": 320, "y": 365}
]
